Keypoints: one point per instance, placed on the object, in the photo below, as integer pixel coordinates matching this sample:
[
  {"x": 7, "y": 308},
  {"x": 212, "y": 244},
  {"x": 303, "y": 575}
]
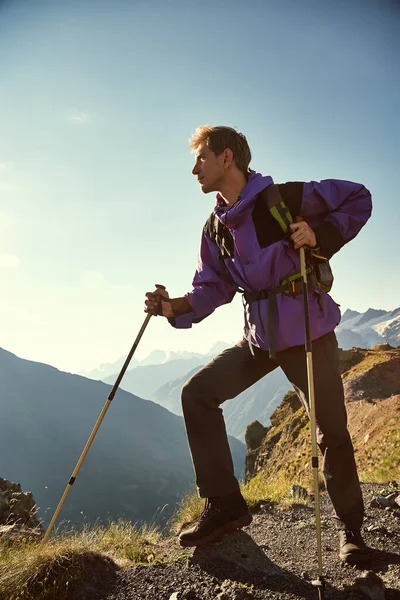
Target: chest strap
[{"x": 291, "y": 286}]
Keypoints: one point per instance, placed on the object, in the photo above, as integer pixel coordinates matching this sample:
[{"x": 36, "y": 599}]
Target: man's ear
[{"x": 228, "y": 157}]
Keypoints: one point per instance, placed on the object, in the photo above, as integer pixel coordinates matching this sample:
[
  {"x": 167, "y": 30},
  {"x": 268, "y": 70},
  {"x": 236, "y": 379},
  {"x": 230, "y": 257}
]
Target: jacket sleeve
[
  {"x": 211, "y": 287},
  {"x": 336, "y": 210}
]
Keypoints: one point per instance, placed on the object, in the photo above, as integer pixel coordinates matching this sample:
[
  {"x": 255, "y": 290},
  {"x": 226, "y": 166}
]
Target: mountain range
[
  {"x": 156, "y": 357},
  {"x": 138, "y": 463},
  {"x": 161, "y": 375},
  {"x": 255, "y": 403}
]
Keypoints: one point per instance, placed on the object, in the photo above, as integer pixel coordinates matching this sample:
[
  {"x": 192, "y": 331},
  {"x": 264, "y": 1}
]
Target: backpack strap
[
  {"x": 220, "y": 235},
  {"x": 279, "y": 210},
  {"x": 222, "y": 238}
]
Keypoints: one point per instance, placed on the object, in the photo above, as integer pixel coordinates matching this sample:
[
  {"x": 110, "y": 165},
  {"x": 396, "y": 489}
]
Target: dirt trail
[{"x": 287, "y": 537}]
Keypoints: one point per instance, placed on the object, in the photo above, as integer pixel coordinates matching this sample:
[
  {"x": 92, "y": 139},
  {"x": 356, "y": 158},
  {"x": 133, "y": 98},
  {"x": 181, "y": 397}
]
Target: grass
[
  {"x": 29, "y": 571},
  {"x": 370, "y": 360},
  {"x": 188, "y": 511},
  {"x": 388, "y": 470},
  {"x": 259, "y": 490},
  {"x": 262, "y": 489},
  {"x": 378, "y": 451}
]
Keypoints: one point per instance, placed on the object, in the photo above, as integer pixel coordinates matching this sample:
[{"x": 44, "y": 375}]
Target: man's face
[{"x": 209, "y": 169}]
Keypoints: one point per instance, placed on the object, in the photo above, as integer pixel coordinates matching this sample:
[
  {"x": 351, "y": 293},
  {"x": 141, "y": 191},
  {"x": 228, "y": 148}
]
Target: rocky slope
[
  {"x": 372, "y": 390},
  {"x": 272, "y": 559}
]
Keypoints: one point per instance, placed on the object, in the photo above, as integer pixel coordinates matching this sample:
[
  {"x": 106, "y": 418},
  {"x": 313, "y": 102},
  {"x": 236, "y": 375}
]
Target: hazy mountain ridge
[
  {"x": 162, "y": 382},
  {"x": 143, "y": 380},
  {"x": 374, "y": 326},
  {"x": 257, "y": 402},
  {"x": 139, "y": 460},
  {"x": 156, "y": 357}
]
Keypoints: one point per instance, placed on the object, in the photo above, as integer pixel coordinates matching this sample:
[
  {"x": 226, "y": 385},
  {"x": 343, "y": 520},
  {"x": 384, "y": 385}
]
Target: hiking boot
[
  {"x": 353, "y": 549},
  {"x": 220, "y": 515}
]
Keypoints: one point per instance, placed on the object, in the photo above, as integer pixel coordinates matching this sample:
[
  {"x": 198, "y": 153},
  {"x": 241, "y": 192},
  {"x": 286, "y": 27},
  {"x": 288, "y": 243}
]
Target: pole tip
[{"x": 320, "y": 584}]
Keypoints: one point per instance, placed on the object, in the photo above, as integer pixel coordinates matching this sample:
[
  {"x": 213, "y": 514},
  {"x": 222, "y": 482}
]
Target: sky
[{"x": 97, "y": 201}]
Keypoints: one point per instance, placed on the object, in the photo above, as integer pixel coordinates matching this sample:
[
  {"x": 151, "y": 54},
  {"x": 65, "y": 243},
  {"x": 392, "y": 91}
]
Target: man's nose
[{"x": 195, "y": 169}]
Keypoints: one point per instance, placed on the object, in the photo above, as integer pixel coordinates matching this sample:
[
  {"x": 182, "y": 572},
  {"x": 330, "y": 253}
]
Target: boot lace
[
  {"x": 209, "y": 510},
  {"x": 351, "y": 536}
]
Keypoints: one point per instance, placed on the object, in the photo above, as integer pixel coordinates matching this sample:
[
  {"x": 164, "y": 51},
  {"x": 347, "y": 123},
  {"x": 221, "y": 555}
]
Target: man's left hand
[{"x": 302, "y": 234}]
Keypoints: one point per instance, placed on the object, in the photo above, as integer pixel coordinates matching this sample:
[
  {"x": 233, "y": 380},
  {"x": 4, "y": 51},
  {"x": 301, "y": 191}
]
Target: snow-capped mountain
[{"x": 365, "y": 330}]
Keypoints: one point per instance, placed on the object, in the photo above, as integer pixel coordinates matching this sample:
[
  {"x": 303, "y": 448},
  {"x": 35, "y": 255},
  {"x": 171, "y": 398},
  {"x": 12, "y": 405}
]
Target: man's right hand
[{"x": 155, "y": 305}]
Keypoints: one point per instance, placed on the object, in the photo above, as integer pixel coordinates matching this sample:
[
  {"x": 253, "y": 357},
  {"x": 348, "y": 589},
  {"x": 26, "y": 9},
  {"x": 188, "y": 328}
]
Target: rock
[
  {"x": 390, "y": 501},
  {"x": 237, "y": 548},
  {"x": 371, "y": 586},
  {"x": 14, "y": 533},
  {"x": 297, "y": 491},
  {"x": 232, "y": 591},
  {"x": 380, "y": 502},
  {"x": 190, "y": 595},
  {"x": 377, "y": 529},
  {"x": 392, "y": 498},
  {"x": 174, "y": 596},
  {"x": 17, "y": 513},
  {"x": 393, "y": 484},
  {"x": 382, "y": 347},
  {"x": 255, "y": 433},
  {"x": 6, "y": 529}
]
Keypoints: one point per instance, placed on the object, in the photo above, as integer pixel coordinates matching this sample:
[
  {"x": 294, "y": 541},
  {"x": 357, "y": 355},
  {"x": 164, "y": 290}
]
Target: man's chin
[{"x": 206, "y": 189}]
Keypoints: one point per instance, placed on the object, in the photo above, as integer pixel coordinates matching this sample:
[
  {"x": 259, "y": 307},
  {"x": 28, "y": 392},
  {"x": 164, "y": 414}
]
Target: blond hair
[{"x": 218, "y": 139}]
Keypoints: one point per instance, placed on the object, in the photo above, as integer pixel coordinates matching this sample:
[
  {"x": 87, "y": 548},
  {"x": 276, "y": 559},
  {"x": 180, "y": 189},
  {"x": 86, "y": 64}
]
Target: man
[{"x": 328, "y": 214}]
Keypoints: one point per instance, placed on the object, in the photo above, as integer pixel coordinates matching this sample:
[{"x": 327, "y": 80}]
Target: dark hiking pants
[{"x": 234, "y": 371}]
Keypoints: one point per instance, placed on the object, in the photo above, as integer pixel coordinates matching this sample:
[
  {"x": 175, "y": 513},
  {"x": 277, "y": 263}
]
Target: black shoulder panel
[
  {"x": 267, "y": 228},
  {"x": 292, "y": 195},
  {"x": 220, "y": 235},
  {"x": 209, "y": 226}
]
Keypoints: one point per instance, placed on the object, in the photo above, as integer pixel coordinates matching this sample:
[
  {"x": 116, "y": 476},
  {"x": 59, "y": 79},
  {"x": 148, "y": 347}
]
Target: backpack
[
  {"x": 319, "y": 269},
  {"x": 319, "y": 273}
]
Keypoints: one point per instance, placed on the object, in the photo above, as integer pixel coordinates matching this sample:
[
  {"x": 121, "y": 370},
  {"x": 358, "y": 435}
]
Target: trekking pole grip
[{"x": 158, "y": 287}]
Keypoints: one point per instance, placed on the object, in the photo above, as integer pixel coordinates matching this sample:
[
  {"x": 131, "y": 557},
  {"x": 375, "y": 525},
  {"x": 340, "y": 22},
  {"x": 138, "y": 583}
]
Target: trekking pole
[
  {"x": 319, "y": 583},
  {"x": 97, "y": 425}
]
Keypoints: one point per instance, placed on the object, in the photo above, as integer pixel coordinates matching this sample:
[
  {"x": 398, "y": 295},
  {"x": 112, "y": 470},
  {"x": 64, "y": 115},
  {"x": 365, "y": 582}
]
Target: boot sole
[{"x": 227, "y": 528}]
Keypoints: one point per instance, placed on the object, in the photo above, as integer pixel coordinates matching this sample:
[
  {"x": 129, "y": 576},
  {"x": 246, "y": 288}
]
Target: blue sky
[{"x": 97, "y": 201}]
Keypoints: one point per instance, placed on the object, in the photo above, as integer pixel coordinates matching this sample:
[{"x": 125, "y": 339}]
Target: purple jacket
[{"x": 335, "y": 209}]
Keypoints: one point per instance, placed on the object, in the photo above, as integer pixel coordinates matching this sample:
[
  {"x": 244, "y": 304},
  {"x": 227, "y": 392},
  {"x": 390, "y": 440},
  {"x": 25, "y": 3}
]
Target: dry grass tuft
[
  {"x": 260, "y": 489},
  {"x": 188, "y": 511},
  {"x": 29, "y": 571}
]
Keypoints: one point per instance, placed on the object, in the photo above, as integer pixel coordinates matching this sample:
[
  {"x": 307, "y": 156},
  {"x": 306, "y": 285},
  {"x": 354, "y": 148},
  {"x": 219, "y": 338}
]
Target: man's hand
[
  {"x": 303, "y": 234},
  {"x": 159, "y": 303},
  {"x": 155, "y": 305}
]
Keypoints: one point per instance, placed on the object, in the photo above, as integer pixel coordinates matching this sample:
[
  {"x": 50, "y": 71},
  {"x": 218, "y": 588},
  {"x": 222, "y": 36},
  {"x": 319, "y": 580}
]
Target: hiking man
[{"x": 244, "y": 249}]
